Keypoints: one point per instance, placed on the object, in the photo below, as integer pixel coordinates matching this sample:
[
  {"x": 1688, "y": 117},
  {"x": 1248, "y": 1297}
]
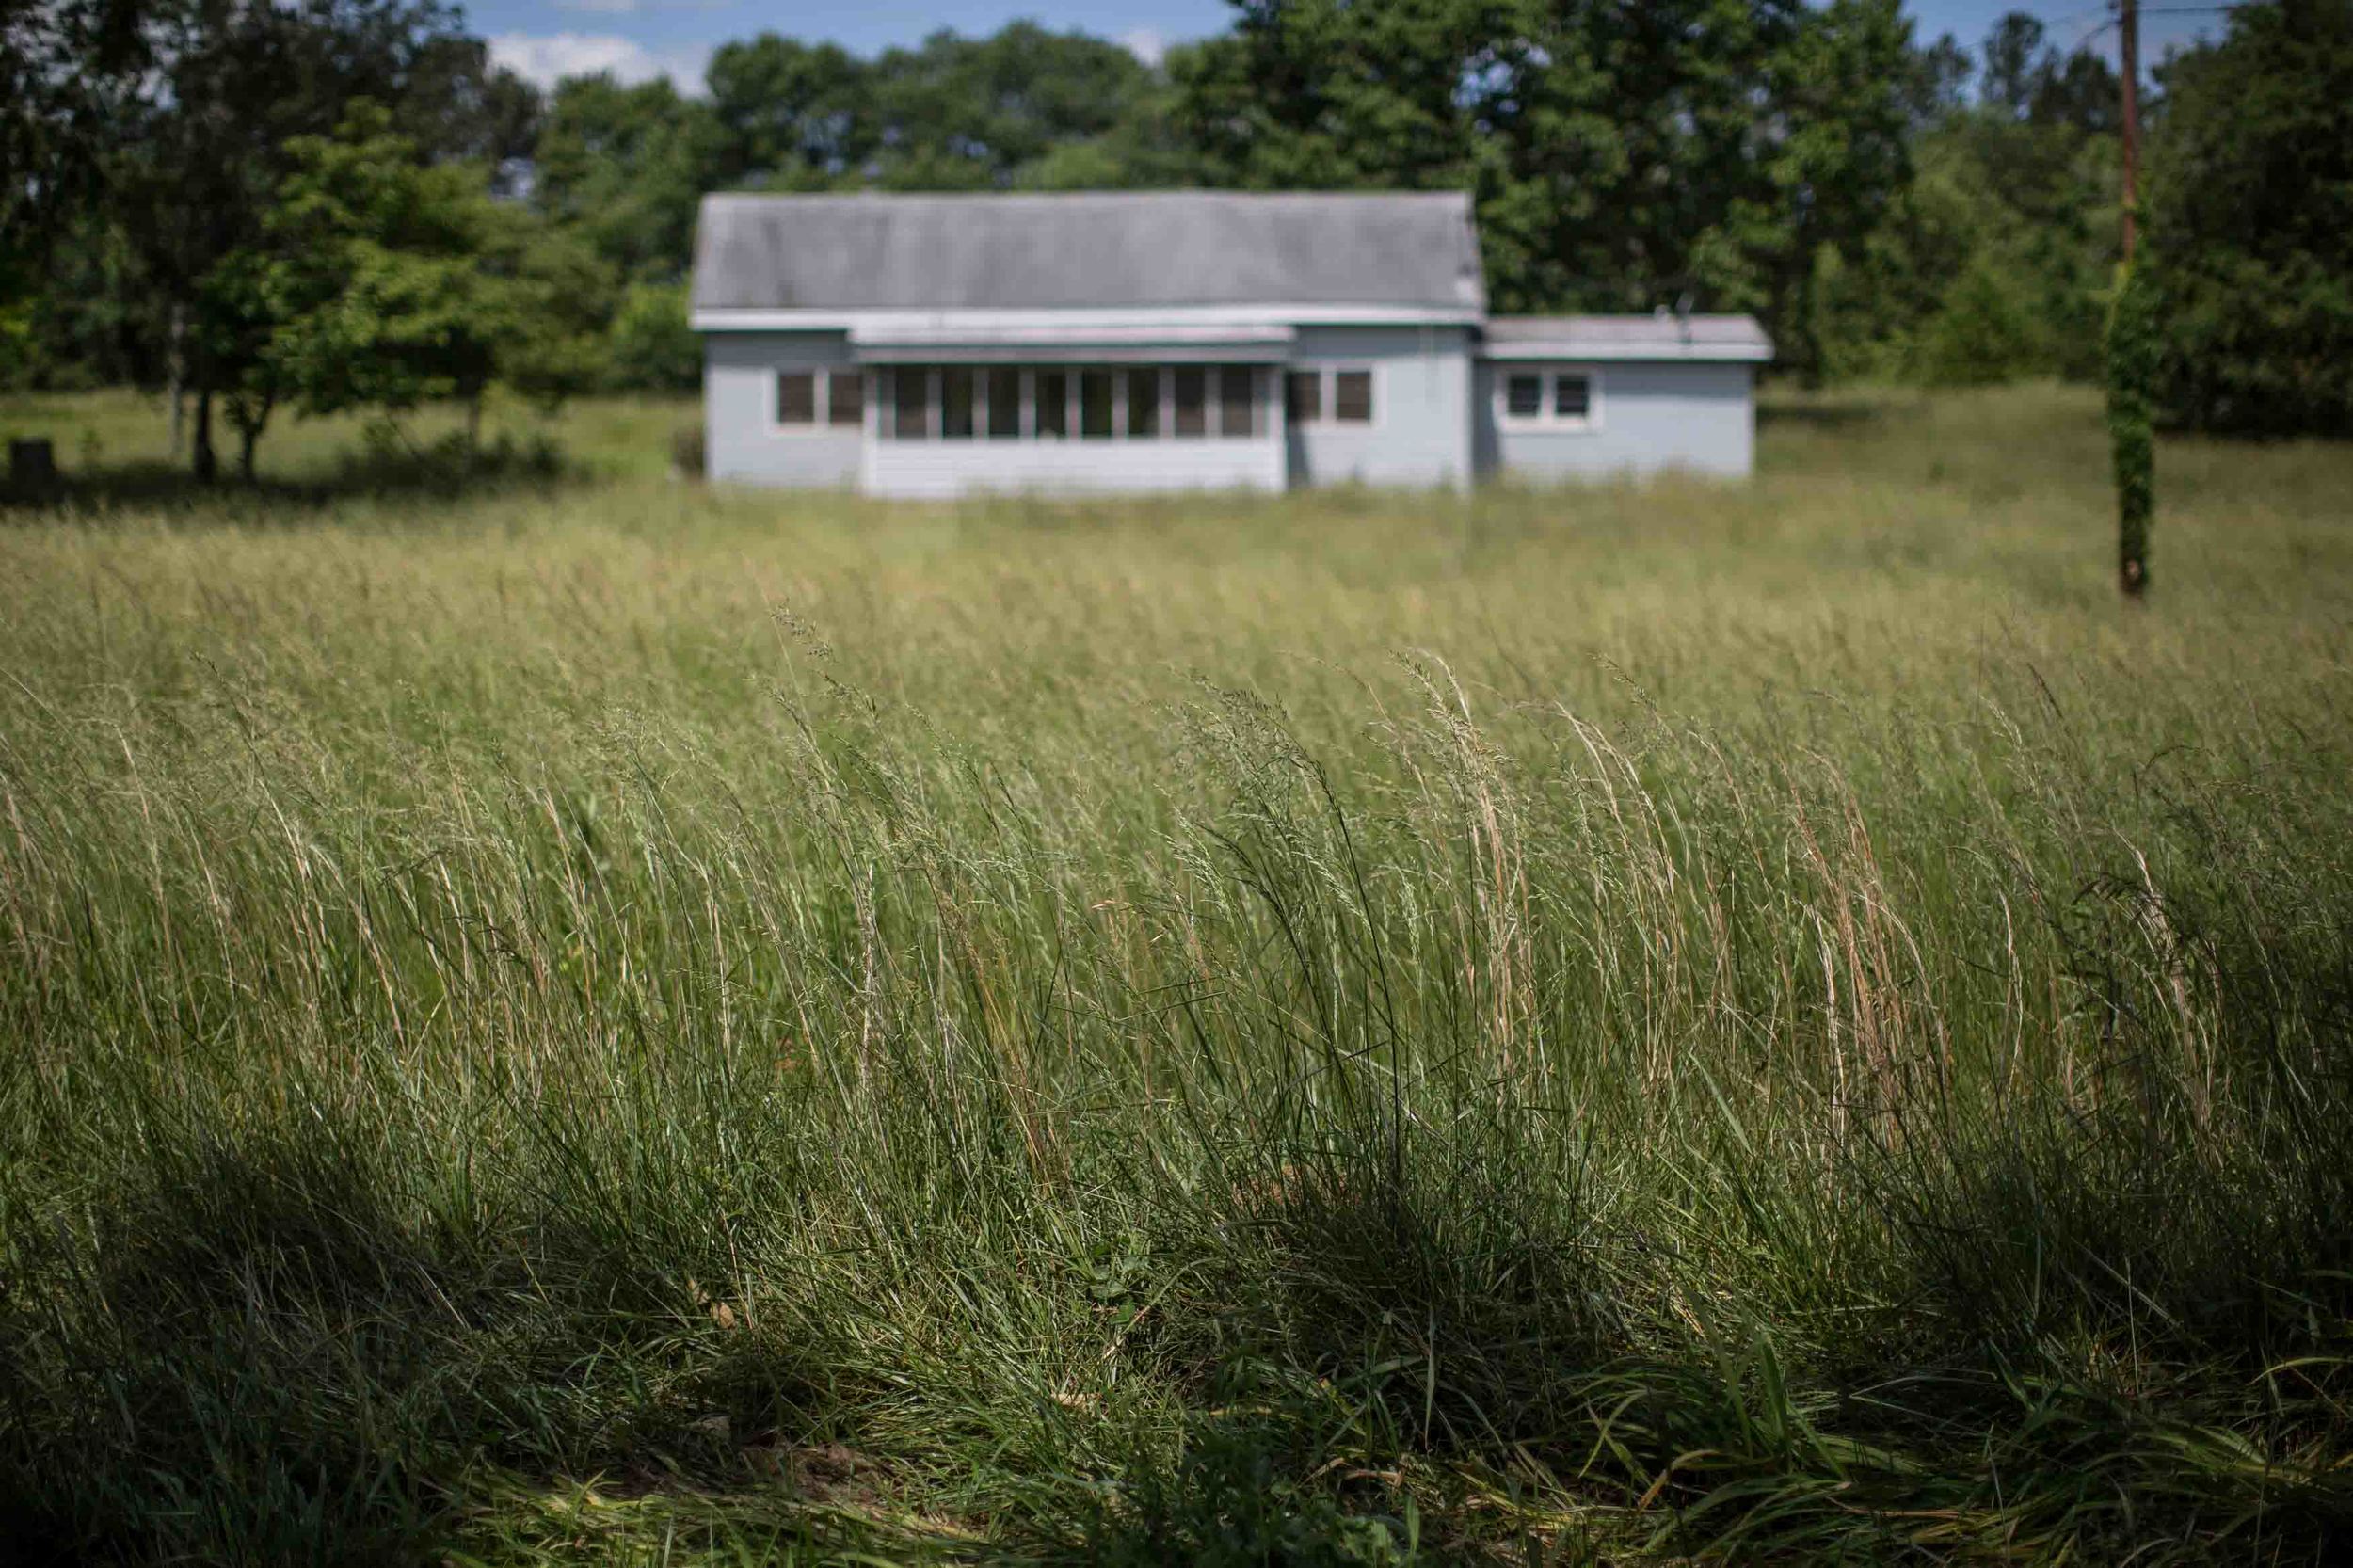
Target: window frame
[
  {"x": 1127, "y": 375},
  {"x": 821, "y": 380},
  {"x": 976, "y": 403},
  {"x": 928, "y": 381},
  {"x": 1315, "y": 377},
  {"x": 1327, "y": 417},
  {"x": 817, "y": 389},
  {"x": 1547, "y": 419},
  {"x": 1373, "y": 390},
  {"x": 987, "y": 380},
  {"x": 889, "y": 408},
  {"x": 851, "y": 376}
]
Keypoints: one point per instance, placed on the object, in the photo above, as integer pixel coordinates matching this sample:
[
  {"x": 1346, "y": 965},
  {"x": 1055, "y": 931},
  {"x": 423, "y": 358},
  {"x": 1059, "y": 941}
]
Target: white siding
[
  {"x": 936, "y": 468},
  {"x": 1700, "y": 418},
  {"x": 1420, "y": 432},
  {"x": 742, "y": 439}
]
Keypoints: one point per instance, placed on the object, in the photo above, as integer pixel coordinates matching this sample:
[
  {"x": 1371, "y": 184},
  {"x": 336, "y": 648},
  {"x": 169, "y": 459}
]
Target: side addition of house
[{"x": 928, "y": 345}]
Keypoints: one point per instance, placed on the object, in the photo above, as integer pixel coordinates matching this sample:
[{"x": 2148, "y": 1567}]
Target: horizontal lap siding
[
  {"x": 742, "y": 440},
  {"x": 1420, "y": 432},
  {"x": 1699, "y": 418},
  {"x": 937, "y": 468}
]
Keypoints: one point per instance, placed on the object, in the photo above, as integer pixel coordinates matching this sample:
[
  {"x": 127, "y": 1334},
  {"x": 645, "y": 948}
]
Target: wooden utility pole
[
  {"x": 2128, "y": 27},
  {"x": 2132, "y": 351}
]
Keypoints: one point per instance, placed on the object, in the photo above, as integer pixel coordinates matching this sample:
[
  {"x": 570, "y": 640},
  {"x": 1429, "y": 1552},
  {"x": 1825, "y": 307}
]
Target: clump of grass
[{"x": 1570, "y": 1026}]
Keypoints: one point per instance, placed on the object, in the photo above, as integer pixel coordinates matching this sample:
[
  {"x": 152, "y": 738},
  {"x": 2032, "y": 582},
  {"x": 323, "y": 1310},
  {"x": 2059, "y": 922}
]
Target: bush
[
  {"x": 1983, "y": 335},
  {"x": 687, "y": 455}
]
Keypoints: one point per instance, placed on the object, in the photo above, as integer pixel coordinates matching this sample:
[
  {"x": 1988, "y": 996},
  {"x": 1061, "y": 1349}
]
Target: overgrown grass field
[{"x": 578, "y": 1018}]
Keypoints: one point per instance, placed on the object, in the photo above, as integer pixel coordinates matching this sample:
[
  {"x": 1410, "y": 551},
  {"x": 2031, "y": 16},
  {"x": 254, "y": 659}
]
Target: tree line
[{"x": 323, "y": 204}]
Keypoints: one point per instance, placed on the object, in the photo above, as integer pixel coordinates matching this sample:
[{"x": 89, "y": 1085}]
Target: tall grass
[{"x": 616, "y": 1022}]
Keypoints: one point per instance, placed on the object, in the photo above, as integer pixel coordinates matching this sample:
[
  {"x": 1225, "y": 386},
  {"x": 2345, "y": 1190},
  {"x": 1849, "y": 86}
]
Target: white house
[{"x": 917, "y": 346}]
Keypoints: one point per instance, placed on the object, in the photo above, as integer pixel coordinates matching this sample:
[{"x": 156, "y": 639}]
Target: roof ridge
[{"x": 1161, "y": 193}]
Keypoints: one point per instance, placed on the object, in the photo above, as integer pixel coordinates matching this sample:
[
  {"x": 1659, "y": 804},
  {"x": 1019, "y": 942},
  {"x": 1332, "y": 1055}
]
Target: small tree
[
  {"x": 398, "y": 282},
  {"x": 237, "y": 321}
]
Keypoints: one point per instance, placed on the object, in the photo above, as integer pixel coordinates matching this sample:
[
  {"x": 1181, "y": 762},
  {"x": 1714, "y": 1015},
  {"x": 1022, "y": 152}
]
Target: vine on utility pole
[{"x": 2132, "y": 349}]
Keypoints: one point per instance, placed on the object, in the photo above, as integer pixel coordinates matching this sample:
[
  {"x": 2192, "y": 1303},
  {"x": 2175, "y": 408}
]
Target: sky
[{"x": 544, "y": 40}]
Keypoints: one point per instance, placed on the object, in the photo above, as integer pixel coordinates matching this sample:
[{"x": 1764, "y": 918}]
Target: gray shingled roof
[
  {"x": 1090, "y": 249},
  {"x": 1630, "y": 337}
]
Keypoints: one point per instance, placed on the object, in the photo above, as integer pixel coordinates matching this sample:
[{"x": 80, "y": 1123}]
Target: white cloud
[
  {"x": 1148, "y": 44},
  {"x": 547, "y": 58}
]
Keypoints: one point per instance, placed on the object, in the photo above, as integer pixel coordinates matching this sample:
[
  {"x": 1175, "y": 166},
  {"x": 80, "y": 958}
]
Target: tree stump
[{"x": 32, "y": 464}]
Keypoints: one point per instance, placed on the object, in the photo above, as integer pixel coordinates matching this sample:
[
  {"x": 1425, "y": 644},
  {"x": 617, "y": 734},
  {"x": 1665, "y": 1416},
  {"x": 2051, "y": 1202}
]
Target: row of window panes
[
  {"x": 844, "y": 396},
  {"x": 1572, "y": 395},
  {"x": 1055, "y": 402},
  {"x": 1350, "y": 403},
  {"x": 1008, "y": 402}
]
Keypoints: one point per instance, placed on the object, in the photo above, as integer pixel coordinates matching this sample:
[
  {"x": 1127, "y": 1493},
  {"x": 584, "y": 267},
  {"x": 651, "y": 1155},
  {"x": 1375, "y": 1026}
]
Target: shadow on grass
[
  {"x": 1827, "y": 414},
  {"x": 1263, "y": 1476},
  {"x": 271, "y": 1350},
  {"x": 445, "y": 469}
]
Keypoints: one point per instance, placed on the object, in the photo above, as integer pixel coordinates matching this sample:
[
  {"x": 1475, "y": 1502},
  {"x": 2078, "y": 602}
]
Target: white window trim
[
  {"x": 1327, "y": 374},
  {"x": 821, "y": 401},
  {"x": 1545, "y": 420}
]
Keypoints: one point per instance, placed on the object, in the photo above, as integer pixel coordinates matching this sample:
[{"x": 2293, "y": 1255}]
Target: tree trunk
[
  {"x": 175, "y": 366},
  {"x": 253, "y": 419},
  {"x": 474, "y": 422},
  {"x": 205, "y": 466}
]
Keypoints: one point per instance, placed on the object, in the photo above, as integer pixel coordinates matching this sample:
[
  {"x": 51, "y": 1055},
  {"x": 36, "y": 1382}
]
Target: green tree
[
  {"x": 653, "y": 347},
  {"x": 67, "y": 67},
  {"x": 238, "y": 320},
  {"x": 199, "y": 158},
  {"x": 625, "y": 168},
  {"x": 974, "y": 114},
  {"x": 789, "y": 115},
  {"x": 2249, "y": 236},
  {"x": 1621, "y": 157},
  {"x": 1995, "y": 263},
  {"x": 395, "y": 282}
]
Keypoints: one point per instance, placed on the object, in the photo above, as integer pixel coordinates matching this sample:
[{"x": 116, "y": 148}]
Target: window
[
  {"x": 1351, "y": 396},
  {"x": 1237, "y": 401},
  {"x": 1551, "y": 399},
  {"x": 1303, "y": 396},
  {"x": 1193, "y": 400},
  {"x": 845, "y": 397},
  {"x": 1094, "y": 404},
  {"x": 956, "y": 402},
  {"x": 1015, "y": 403},
  {"x": 796, "y": 397},
  {"x": 1143, "y": 403},
  {"x": 910, "y": 403},
  {"x": 1053, "y": 402},
  {"x": 1004, "y": 403}
]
